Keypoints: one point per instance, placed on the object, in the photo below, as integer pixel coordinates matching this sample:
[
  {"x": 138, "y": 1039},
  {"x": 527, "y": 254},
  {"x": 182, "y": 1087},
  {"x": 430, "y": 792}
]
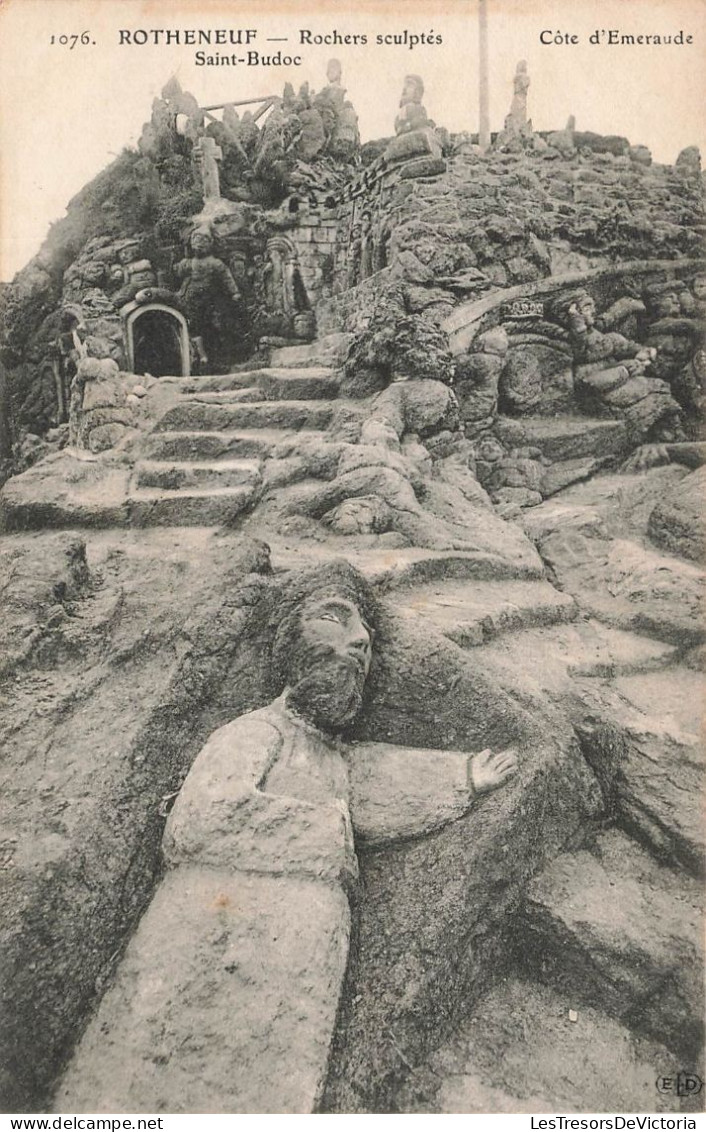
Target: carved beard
[{"x": 330, "y": 693}]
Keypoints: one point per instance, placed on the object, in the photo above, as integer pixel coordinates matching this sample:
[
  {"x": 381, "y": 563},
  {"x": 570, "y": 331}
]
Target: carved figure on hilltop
[
  {"x": 688, "y": 162},
  {"x": 312, "y": 136},
  {"x": 207, "y": 288},
  {"x": 564, "y": 140},
  {"x": 339, "y": 119},
  {"x": 517, "y": 118},
  {"x": 517, "y": 128},
  {"x": 412, "y": 115},
  {"x": 329, "y": 101}
]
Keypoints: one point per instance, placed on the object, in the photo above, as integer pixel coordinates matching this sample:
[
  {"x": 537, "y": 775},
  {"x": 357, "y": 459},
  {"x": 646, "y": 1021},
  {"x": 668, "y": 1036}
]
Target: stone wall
[
  {"x": 314, "y": 240},
  {"x": 370, "y": 202},
  {"x": 476, "y": 223},
  {"x": 108, "y": 406}
]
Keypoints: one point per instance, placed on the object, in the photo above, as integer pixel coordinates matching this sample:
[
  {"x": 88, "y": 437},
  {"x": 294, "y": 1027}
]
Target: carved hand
[
  {"x": 488, "y": 770},
  {"x": 646, "y": 354},
  {"x": 646, "y": 456}
]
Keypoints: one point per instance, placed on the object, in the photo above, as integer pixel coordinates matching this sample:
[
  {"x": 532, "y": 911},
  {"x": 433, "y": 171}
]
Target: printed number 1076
[{"x": 72, "y": 41}]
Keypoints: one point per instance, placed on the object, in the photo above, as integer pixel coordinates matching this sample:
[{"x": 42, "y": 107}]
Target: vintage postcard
[{"x": 352, "y": 371}]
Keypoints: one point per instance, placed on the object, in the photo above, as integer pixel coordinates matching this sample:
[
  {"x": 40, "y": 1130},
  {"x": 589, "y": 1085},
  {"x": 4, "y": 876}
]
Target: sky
[{"x": 66, "y": 112}]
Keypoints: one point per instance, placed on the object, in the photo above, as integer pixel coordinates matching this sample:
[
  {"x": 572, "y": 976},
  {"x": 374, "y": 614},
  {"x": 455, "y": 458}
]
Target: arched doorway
[{"x": 157, "y": 340}]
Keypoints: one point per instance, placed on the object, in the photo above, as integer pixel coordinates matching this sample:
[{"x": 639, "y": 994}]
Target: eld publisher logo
[{"x": 684, "y": 1084}]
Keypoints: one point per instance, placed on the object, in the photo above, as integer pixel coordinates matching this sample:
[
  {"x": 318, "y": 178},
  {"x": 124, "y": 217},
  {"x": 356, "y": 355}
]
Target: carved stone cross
[{"x": 208, "y": 154}]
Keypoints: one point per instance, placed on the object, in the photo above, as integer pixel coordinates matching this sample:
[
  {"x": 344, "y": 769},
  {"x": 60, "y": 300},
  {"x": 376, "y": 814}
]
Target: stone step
[
  {"x": 672, "y": 698},
  {"x": 155, "y": 507},
  {"x": 305, "y": 384},
  {"x": 192, "y": 415},
  {"x": 390, "y": 568},
  {"x": 329, "y": 350},
  {"x": 520, "y": 1051},
  {"x": 564, "y": 473},
  {"x": 618, "y": 504},
  {"x": 178, "y": 476},
  {"x": 223, "y": 445},
  {"x": 561, "y": 653},
  {"x": 472, "y": 614},
  {"x": 629, "y": 586},
  {"x": 571, "y": 438},
  {"x": 248, "y": 395},
  {"x": 205, "y": 383},
  {"x": 645, "y": 745},
  {"x": 613, "y": 928}
]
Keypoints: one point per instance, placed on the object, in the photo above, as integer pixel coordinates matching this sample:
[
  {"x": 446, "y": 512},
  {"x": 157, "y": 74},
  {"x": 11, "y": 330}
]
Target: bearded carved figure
[{"x": 247, "y": 935}]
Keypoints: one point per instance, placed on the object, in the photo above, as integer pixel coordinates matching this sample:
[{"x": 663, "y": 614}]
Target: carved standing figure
[
  {"x": 518, "y": 106},
  {"x": 412, "y": 115},
  {"x": 206, "y": 283}
]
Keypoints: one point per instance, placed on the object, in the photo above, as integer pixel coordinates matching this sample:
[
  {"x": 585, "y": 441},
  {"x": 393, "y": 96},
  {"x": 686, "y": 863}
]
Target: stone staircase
[
  {"x": 618, "y": 952},
  {"x": 602, "y": 991},
  {"x": 202, "y": 464},
  {"x": 604, "y": 988},
  {"x": 563, "y": 449}
]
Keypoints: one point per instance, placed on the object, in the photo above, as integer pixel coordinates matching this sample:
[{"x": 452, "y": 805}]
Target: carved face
[
  {"x": 494, "y": 342},
  {"x": 699, "y": 287},
  {"x": 587, "y": 309},
  {"x": 336, "y": 624},
  {"x": 201, "y": 243},
  {"x": 129, "y": 253},
  {"x": 412, "y": 91},
  {"x": 668, "y": 305},
  {"x": 93, "y": 274},
  {"x": 329, "y": 662}
]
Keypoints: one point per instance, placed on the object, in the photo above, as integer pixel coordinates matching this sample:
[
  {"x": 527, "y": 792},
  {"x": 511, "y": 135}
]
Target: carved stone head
[
  {"x": 201, "y": 242},
  {"x": 493, "y": 341},
  {"x": 323, "y": 644},
  {"x": 575, "y": 311},
  {"x": 412, "y": 91},
  {"x": 93, "y": 274},
  {"x": 699, "y": 288},
  {"x": 334, "y": 72},
  {"x": 129, "y": 251}
]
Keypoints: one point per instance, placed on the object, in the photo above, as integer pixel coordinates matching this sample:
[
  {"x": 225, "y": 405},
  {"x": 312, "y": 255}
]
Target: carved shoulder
[
  {"x": 239, "y": 754},
  {"x": 225, "y": 774},
  {"x": 230, "y": 766}
]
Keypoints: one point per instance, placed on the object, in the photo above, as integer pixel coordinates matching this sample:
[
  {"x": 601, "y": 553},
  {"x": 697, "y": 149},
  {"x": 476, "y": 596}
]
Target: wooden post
[{"x": 484, "y": 113}]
